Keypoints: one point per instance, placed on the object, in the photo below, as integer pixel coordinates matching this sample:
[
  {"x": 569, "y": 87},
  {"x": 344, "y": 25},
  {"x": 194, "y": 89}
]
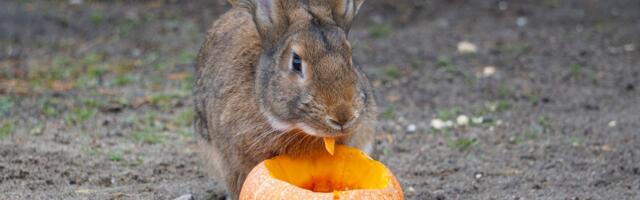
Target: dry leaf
[
  {"x": 61, "y": 86},
  {"x": 392, "y": 98},
  {"x": 179, "y": 76},
  {"x": 14, "y": 86}
]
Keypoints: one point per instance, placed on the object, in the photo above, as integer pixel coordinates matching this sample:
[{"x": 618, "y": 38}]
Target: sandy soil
[{"x": 95, "y": 98}]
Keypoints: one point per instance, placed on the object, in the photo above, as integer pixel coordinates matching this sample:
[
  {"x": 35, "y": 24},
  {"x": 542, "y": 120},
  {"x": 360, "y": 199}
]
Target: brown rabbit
[{"x": 275, "y": 77}]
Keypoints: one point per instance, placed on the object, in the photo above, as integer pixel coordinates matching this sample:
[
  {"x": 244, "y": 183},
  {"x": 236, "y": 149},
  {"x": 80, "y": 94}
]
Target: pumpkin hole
[{"x": 347, "y": 169}]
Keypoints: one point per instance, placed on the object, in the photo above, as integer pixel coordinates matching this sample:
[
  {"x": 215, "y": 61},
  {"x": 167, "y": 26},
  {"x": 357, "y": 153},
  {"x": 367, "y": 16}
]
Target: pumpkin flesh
[
  {"x": 330, "y": 144},
  {"x": 348, "y": 174}
]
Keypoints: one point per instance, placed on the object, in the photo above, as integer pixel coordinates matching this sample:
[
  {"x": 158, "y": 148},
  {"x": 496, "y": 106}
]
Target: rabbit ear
[
  {"x": 268, "y": 16},
  {"x": 344, "y": 12}
]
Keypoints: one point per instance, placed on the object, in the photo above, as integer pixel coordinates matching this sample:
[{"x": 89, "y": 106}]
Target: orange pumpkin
[{"x": 348, "y": 174}]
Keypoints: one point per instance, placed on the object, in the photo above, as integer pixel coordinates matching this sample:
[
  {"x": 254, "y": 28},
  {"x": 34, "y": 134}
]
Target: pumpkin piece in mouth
[{"x": 329, "y": 144}]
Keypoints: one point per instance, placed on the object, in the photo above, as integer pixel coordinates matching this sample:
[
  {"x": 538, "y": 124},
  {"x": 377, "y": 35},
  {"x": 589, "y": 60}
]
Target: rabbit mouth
[
  {"x": 278, "y": 124},
  {"x": 315, "y": 132}
]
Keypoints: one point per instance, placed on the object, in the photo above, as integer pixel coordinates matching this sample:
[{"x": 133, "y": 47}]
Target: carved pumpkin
[{"x": 348, "y": 174}]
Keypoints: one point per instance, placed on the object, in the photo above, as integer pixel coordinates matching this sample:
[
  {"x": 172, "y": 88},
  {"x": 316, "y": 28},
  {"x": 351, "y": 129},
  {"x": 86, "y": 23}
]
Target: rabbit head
[{"x": 305, "y": 77}]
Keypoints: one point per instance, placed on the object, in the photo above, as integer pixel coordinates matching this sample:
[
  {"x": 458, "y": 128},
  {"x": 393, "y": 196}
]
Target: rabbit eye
[
  {"x": 363, "y": 96},
  {"x": 296, "y": 64}
]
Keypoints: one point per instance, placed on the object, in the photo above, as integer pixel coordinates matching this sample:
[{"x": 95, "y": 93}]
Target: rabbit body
[{"x": 262, "y": 90}]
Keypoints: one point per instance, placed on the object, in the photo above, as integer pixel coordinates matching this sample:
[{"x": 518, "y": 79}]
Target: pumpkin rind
[{"x": 261, "y": 185}]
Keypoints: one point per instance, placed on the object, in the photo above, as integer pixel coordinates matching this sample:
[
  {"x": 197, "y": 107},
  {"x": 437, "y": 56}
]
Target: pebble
[
  {"x": 629, "y": 47},
  {"x": 411, "y": 190},
  {"x": 462, "y": 120},
  {"x": 467, "y": 47},
  {"x": 75, "y": 2},
  {"x": 411, "y": 128},
  {"x": 502, "y": 5},
  {"x": 613, "y": 123},
  {"x": 488, "y": 71},
  {"x": 575, "y": 143},
  {"x": 402, "y": 119},
  {"x": 185, "y": 197},
  {"x": 477, "y": 120},
  {"x": 478, "y": 175},
  {"x": 522, "y": 21},
  {"x": 136, "y": 52},
  {"x": 437, "y": 124},
  {"x": 37, "y": 130},
  {"x": 605, "y": 147},
  {"x": 443, "y": 23}
]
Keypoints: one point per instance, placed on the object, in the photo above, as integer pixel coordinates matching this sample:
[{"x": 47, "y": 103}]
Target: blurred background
[{"x": 490, "y": 99}]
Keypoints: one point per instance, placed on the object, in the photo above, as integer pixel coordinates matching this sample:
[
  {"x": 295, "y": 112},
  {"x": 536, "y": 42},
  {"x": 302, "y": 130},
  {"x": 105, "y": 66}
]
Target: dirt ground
[{"x": 95, "y": 97}]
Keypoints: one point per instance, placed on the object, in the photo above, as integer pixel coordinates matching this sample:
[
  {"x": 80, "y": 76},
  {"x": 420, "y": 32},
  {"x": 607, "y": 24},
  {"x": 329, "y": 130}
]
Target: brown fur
[{"x": 243, "y": 79}]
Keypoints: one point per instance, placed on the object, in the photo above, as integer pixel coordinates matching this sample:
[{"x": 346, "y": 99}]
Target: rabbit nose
[
  {"x": 340, "y": 118},
  {"x": 335, "y": 124}
]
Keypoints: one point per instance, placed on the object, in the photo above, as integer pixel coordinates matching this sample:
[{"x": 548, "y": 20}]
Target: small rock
[
  {"x": 462, "y": 120},
  {"x": 521, "y": 21},
  {"x": 467, "y": 47},
  {"x": 75, "y": 2},
  {"x": 477, "y": 120},
  {"x": 613, "y": 123},
  {"x": 411, "y": 128},
  {"x": 37, "y": 130},
  {"x": 185, "y": 197},
  {"x": 437, "y": 124},
  {"x": 614, "y": 50},
  {"x": 605, "y": 147},
  {"x": 443, "y": 23},
  {"x": 411, "y": 190},
  {"x": 629, "y": 47},
  {"x": 479, "y": 175},
  {"x": 575, "y": 143},
  {"x": 502, "y": 5},
  {"x": 136, "y": 52},
  {"x": 488, "y": 71}
]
